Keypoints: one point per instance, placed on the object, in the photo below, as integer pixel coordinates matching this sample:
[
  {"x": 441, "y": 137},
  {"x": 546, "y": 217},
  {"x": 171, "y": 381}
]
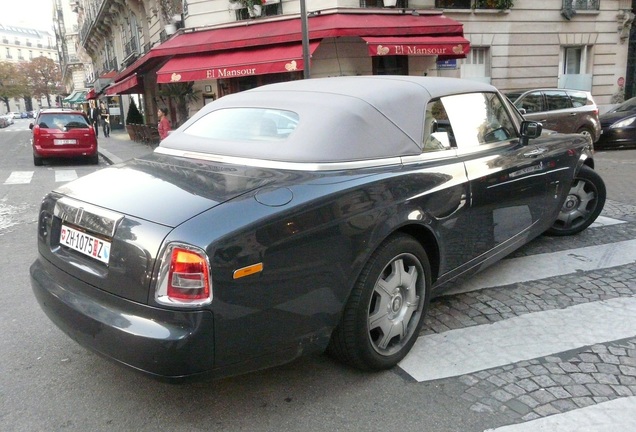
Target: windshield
[{"x": 628, "y": 105}]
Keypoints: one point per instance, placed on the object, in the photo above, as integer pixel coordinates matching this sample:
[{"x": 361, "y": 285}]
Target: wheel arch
[{"x": 427, "y": 239}]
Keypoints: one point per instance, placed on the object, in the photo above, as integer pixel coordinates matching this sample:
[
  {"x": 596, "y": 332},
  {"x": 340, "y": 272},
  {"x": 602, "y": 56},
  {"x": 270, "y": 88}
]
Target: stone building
[
  {"x": 158, "y": 48},
  {"x": 19, "y": 44}
]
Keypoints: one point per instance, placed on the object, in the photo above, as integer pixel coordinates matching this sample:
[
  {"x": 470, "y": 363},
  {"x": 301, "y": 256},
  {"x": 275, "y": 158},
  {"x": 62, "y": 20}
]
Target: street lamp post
[{"x": 305, "y": 37}]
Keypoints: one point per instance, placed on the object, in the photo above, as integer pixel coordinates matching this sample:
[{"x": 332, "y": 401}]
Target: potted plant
[
  {"x": 133, "y": 117},
  {"x": 494, "y": 4}
]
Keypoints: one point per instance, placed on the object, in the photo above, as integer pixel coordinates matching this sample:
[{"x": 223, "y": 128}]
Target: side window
[
  {"x": 478, "y": 119},
  {"x": 579, "y": 99},
  {"x": 532, "y": 103},
  {"x": 557, "y": 100},
  {"x": 438, "y": 134}
]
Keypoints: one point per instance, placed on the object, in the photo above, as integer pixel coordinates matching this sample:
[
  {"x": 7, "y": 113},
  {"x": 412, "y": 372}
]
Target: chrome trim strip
[
  {"x": 294, "y": 166},
  {"x": 93, "y": 218}
]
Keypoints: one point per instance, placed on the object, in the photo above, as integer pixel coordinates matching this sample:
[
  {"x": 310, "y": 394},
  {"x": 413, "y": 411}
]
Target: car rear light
[
  {"x": 184, "y": 277},
  {"x": 36, "y": 131}
]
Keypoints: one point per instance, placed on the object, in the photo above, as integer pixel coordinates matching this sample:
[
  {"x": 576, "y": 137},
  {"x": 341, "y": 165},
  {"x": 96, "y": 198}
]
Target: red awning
[
  {"x": 236, "y": 63},
  {"x": 320, "y": 27},
  {"x": 445, "y": 46},
  {"x": 129, "y": 85},
  {"x": 247, "y": 34},
  {"x": 91, "y": 94}
]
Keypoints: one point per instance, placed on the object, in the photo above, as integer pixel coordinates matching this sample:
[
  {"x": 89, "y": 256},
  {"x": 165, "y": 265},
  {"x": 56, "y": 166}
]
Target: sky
[{"x": 28, "y": 13}]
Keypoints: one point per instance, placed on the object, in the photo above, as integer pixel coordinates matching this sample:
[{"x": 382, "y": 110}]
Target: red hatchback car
[{"x": 63, "y": 133}]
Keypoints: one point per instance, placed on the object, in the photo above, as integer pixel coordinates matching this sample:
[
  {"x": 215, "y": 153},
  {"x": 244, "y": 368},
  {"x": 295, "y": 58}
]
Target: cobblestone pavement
[{"x": 561, "y": 382}]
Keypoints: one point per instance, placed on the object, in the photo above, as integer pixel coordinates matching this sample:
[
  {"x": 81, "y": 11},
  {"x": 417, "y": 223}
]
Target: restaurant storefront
[{"x": 229, "y": 59}]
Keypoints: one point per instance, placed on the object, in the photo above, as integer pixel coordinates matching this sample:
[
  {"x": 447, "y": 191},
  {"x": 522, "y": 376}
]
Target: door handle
[{"x": 534, "y": 153}]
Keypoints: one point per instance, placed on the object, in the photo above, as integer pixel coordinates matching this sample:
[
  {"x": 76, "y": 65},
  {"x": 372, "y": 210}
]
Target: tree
[
  {"x": 43, "y": 78},
  {"x": 182, "y": 94},
  {"x": 134, "y": 116},
  {"x": 9, "y": 83}
]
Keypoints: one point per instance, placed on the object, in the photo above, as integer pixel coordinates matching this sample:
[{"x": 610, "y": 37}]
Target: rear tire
[
  {"x": 585, "y": 131},
  {"x": 94, "y": 159},
  {"x": 37, "y": 161},
  {"x": 582, "y": 205},
  {"x": 385, "y": 312}
]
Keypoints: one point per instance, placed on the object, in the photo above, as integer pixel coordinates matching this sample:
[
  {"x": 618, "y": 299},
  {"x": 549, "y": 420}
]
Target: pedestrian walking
[
  {"x": 164, "y": 123},
  {"x": 105, "y": 115},
  {"x": 94, "y": 116}
]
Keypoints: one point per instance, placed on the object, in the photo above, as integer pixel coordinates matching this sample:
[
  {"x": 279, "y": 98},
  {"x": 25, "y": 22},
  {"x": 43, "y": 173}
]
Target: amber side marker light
[{"x": 249, "y": 270}]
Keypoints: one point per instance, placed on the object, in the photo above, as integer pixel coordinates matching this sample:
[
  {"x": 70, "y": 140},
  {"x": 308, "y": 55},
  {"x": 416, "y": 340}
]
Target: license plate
[
  {"x": 85, "y": 243},
  {"x": 64, "y": 141}
]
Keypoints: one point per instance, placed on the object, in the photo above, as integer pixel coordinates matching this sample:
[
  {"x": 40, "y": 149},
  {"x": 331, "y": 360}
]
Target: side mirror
[{"x": 530, "y": 130}]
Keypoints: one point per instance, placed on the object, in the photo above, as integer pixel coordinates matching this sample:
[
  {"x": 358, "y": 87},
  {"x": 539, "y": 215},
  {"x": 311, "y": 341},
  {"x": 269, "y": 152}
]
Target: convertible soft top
[{"x": 341, "y": 119}]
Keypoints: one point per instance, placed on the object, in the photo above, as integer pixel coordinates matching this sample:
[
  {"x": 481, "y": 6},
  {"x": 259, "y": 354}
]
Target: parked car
[
  {"x": 235, "y": 246},
  {"x": 561, "y": 110},
  {"x": 619, "y": 126},
  {"x": 8, "y": 119},
  {"x": 63, "y": 133},
  {"x": 16, "y": 115},
  {"x": 4, "y": 121}
]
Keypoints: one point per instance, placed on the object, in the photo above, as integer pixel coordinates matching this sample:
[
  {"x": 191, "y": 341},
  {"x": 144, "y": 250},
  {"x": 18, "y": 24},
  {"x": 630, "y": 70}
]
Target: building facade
[
  {"x": 168, "y": 51},
  {"x": 21, "y": 44}
]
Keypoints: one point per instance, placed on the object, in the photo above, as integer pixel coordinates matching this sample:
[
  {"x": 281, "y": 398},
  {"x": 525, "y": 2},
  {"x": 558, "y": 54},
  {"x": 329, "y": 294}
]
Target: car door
[
  {"x": 507, "y": 184},
  {"x": 560, "y": 116}
]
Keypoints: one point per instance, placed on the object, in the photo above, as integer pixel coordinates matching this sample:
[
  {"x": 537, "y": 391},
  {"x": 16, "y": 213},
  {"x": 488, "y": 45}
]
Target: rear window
[
  {"x": 62, "y": 121},
  {"x": 579, "y": 99},
  {"x": 245, "y": 124}
]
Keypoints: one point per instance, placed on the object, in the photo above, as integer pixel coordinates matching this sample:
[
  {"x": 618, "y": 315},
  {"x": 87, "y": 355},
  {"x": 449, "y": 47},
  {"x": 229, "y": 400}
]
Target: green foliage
[
  {"x": 134, "y": 116},
  {"x": 494, "y": 4},
  {"x": 181, "y": 94}
]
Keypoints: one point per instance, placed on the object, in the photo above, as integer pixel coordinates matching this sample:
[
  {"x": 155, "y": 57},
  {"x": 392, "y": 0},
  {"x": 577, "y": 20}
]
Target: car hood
[
  {"x": 610, "y": 118},
  {"x": 164, "y": 189}
]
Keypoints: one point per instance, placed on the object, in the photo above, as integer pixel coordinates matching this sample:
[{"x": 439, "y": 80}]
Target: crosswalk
[
  {"x": 546, "y": 339},
  {"x": 26, "y": 177}
]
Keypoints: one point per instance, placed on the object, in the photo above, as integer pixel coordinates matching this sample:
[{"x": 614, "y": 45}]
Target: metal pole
[{"x": 305, "y": 33}]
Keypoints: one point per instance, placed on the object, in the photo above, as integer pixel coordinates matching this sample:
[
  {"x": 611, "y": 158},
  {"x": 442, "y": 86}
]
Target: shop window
[{"x": 390, "y": 65}]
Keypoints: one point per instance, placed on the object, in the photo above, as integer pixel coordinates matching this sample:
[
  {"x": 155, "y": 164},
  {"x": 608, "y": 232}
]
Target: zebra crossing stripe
[
  {"x": 19, "y": 177},
  {"x": 525, "y": 337},
  {"x": 613, "y": 416},
  {"x": 529, "y": 268},
  {"x": 65, "y": 175}
]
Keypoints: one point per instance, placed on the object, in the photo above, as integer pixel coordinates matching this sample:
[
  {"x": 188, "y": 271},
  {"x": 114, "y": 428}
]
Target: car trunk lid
[{"x": 107, "y": 228}]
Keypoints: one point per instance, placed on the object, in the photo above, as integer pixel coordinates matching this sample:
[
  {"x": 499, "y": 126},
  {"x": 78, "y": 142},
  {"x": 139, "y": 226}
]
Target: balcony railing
[
  {"x": 453, "y": 4},
  {"x": 581, "y": 5},
  {"x": 380, "y": 3}
]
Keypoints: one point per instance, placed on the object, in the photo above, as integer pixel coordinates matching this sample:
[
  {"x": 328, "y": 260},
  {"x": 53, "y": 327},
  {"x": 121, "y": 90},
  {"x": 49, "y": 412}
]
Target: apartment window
[
  {"x": 453, "y": 4},
  {"x": 476, "y": 65},
  {"x": 380, "y": 3},
  {"x": 582, "y": 4},
  {"x": 20, "y": 54},
  {"x": 30, "y": 54},
  {"x": 574, "y": 70},
  {"x": 269, "y": 9},
  {"x": 574, "y": 60}
]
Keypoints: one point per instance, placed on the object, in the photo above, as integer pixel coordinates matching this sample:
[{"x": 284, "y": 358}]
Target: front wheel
[
  {"x": 386, "y": 309},
  {"x": 582, "y": 205}
]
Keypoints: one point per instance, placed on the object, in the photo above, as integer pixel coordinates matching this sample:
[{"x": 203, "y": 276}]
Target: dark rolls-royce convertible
[{"x": 301, "y": 217}]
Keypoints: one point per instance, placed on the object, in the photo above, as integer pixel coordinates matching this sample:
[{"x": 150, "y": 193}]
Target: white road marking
[
  {"x": 613, "y": 416},
  {"x": 19, "y": 177},
  {"x": 528, "y": 268},
  {"x": 529, "y": 336},
  {"x": 65, "y": 175},
  {"x": 602, "y": 221}
]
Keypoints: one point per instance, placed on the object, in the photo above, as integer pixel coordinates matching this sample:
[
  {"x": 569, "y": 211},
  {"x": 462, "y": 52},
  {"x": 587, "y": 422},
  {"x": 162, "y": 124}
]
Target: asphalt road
[{"x": 49, "y": 383}]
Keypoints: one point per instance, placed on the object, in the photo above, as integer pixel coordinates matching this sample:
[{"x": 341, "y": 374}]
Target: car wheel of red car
[
  {"x": 582, "y": 205},
  {"x": 385, "y": 311},
  {"x": 94, "y": 159},
  {"x": 37, "y": 161}
]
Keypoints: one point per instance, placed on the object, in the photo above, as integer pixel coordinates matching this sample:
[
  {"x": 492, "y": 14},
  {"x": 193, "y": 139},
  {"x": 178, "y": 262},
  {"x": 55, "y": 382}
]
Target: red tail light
[
  {"x": 36, "y": 131},
  {"x": 184, "y": 278}
]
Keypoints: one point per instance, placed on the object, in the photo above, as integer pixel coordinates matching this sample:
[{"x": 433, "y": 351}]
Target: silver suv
[{"x": 561, "y": 110}]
